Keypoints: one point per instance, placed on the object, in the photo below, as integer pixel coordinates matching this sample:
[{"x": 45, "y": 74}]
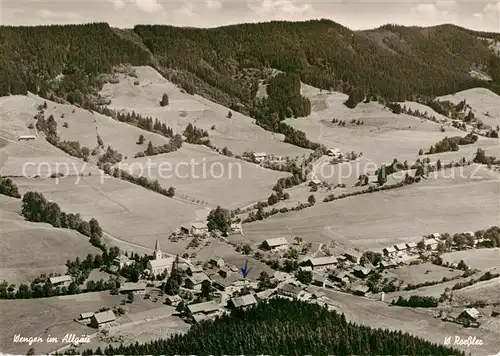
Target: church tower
[{"x": 158, "y": 255}]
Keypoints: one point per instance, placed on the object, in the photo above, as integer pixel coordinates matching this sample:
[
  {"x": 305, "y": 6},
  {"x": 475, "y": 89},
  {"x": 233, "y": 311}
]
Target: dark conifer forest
[
  {"x": 283, "y": 327},
  {"x": 225, "y": 63}
]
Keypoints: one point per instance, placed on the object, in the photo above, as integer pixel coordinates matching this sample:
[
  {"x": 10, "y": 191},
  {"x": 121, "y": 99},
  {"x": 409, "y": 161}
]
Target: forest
[{"x": 283, "y": 327}]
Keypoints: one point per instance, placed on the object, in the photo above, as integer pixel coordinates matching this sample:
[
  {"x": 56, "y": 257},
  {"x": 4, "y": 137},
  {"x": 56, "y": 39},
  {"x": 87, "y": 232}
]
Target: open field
[
  {"x": 202, "y": 175},
  {"x": 414, "y": 321},
  {"x": 483, "y": 258},
  {"x": 29, "y": 249},
  {"x": 238, "y": 133},
  {"x": 487, "y": 291},
  {"x": 382, "y": 137},
  {"x": 468, "y": 201},
  {"x": 126, "y": 211},
  {"x": 425, "y": 272},
  {"x": 54, "y": 316},
  {"x": 83, "y": 125},
  {"x": 485, "y": 104}
]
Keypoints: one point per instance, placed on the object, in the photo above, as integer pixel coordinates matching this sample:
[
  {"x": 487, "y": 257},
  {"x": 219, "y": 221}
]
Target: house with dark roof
[
  {"x": 99, "y": 319},
  {"x": 361, "y": 290},
  {"x": 318, "y": 279},
  {"x": 290, "y": 290},
  {"x": 353, "y": 256},
  {"x": 321, "y": 262},
  {"x": 340, "y": 276}
]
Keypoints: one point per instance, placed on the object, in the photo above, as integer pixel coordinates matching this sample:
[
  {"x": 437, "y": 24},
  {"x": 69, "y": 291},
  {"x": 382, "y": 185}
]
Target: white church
[{"x": 158, "y": 265}]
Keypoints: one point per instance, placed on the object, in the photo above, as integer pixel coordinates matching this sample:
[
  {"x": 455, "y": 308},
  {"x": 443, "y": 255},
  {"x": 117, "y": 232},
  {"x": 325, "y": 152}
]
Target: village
[{"x": 204, "y": 290}]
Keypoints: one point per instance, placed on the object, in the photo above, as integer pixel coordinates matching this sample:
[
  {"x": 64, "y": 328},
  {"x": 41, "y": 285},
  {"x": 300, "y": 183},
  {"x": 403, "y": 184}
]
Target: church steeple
[{"x": 158, "y": 255}]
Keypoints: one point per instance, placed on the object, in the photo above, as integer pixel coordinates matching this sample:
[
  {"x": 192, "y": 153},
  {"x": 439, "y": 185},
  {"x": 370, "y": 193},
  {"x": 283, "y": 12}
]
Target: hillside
[
  {"x": 225, "y": 63},
  {"x": 284, "y": 327}
]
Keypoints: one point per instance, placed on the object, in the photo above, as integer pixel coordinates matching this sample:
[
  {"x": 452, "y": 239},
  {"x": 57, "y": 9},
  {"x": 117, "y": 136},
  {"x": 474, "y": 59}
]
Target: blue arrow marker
[{"x": 245, "y": 270}]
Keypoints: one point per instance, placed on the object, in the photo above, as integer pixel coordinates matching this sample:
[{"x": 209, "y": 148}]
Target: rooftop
[
  {"x": 60, "y": 279},
  {"x": 322, "y": 261},
  {"x": 199, "y": 225},
  {"x": 105, "y": 317},
  {"x": 130, "y": 286},
  {"x": 205, "y": 307},
  {"x": 400, "y": 247},
  {"x": 279, "y": 241},
  {"x": 164, "y": 262},
  {"x": 244, "y": 300}
]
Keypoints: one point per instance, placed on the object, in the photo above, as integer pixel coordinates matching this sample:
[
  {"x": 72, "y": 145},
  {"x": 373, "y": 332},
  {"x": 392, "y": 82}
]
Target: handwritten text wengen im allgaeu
[{"x": 67, "y": 339}]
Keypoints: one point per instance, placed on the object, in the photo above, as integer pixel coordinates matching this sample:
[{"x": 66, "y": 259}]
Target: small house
[
  {"x": 290, "y": 290},
  {"x": 194, "y": 281},
  {"x": 217, "y": 262},
  {"x": 199, "y": 228},
  {"x": 122, "y": 261},
  {"x": 305, "y": 268},
  {"x": 194, "y": 269},
  {"x": 130, "y": 287},
  {"x": 223, "y": 272},
  {"x": 436, "y": 235},
  {"x": 260, "y": 156},
  {"x": 340, "y": 276},
  {"x": 321, "y": 262},
  {"x": 242, "y": 301},
  {"x": 361, "y": 272},
  {"x": 173, "y": 300},
  {"x": 354, "y": 257},
  {"x": 203, "y": 308},
  {"x": 318, "y": 280},
  {"x": 389, "y": 251},
  {"x": 271, "y": 244},
  {"x": 265, "y": 294},
  {"x": 361, "y": 290},
  {"x": 431, "y": 244},
  {"x": 62, "y": 281},
  {"x": 104, "y": 318},
  {"x": 334, "y": 152},
  {"x": 85, "y": 316},
  {"x": 468, "y": 315},
  {"x": 390, "y": 263},
  {"x": 400, "y": 247},
  {"x": 411, "y": 246}
]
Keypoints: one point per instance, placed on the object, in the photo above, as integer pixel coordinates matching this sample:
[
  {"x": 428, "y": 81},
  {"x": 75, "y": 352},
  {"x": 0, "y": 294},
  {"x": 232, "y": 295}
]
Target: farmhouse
[
  {"x": 271, "y": 244},
  {"x": 87, "y": 315},
  {"x": 320, "y": 262},
  {"x": 242, "y": 301},
  {"x": 361, "y": 290},
  {"x": 173, "y": 300},
  {"x": 305, "y": 268},
  {"x": 265, "y": 294},
  {"x": 318, "y": 279},
  {"x": 340, "y": 276},
  {"x": 26, "y": 137},
  {"x": 203, "y": 308},
  {"x": 388, "y": 263},
  {"x": 194, "y": 269},
  {"x": 470, "y": 314},
  {"x": 159, "y": 265},
  {"x": 221, "y": 283},
  {"x": 194, "y": 281},
  {"x": 122, "y": 261},
  {"x": 430, "y": 244},
  {"x": 100, "y": 319},
  {"x": 217, "y": 261},
  {"x": 354, "y": 257},
  {"x": 400, "y": 247},
  {"x": 334, "y": 152},
  {"x": 133, "y": 287},
  {"x": 260, "y": 156},
  {"x": 199, "y": 228},
  {"x": 361, "y": 271},
  {"x": 411, "y": 246},
  {"x": 290, "y": 290},
  {"x": 62, "y": 281},
  {"x": 389, "y": 251}
]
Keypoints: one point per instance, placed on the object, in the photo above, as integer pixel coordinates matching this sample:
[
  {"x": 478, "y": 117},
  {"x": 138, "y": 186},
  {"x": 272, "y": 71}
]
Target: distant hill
[
  {"x": 283, "y": 327},
  {"x": 226, "y": 63}
]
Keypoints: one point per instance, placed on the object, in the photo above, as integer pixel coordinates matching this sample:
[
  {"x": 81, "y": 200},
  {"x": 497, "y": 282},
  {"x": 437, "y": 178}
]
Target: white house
[
  {"x": 389, "y": 251},
  {"x": 62, "y": 281},
  {"x": 275, "y": 243},
  {"x": 199, "y": 228},
  {"x": 411, "y": 246},
  {"x": 260, "y": 156},
  {"x": 400, "y": 247},
  {"x": 334, "y": 152},
  {"x": 243, "y": 301},
  {"x": 159, "y": 265},
  {"x": 26, "y": 137},
  {"x": 122, "y": 261},
  {"x": 432, "y": 243}
]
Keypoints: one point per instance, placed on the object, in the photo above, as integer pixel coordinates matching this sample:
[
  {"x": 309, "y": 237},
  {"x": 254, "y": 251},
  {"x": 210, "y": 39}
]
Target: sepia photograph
[{"x": 250, "y": 177}]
